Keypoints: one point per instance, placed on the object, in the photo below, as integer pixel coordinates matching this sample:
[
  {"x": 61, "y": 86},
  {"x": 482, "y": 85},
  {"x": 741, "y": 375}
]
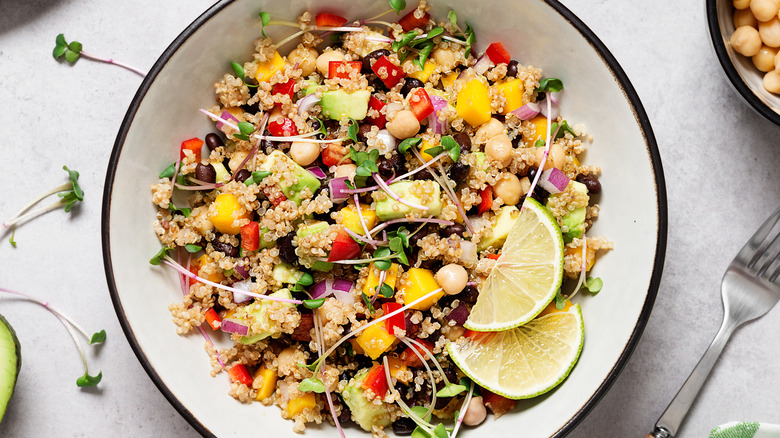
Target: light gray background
[{"x": 720, "y": 161}]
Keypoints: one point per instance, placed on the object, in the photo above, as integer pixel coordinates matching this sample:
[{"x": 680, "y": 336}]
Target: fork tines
[{"x": 763, "y": 249}]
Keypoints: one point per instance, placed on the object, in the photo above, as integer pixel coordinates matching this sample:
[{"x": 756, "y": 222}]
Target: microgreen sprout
[
  {"x": 594, "y": 285},
  {"x": 313, "y": 304},
  {"x": 73, "y": 330},
  {"x": 353, "y": 130},
  {"x": 550, "y": 85},
  {"x": 265, "y": 17},
  {"x": 239, "y": 71},
  {"x": 192, "y": 248},
  {"x": 366, "y": 163},
  {"x": 560, "y": 300},
  {"x": 257, "y": 176},
  {"x": 408, "y": 143},
  {"x": 245, "y": 129},
  {"x": 453, "y": 17},
  {"x": 185, "y": 211},
  {"x": 398, "y": 5},
  {"x": 312, "y": 384},
  {"x": 11, "y": 239},
  {"x": 73, "y": 51},
  {"x": 449, "y": 145},
  {"x": 70, "y": 194}
]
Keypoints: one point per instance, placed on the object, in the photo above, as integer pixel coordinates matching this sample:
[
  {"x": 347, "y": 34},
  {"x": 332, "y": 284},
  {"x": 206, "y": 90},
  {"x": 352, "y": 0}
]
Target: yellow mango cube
[
  {"x": 513, "y": 93},
  {"x": 540, "y": 125},
  {"x": 373, "y": 278},
  {"x": 423, "y": 146},
  {"x": 264, "y": 382},
  {"x": 228, "y": 214},
  {"x": 474, "y": 103},
  {"x": 398, "y": 369},
  {"x": 216, "y": 277},
  {"x": 375, "y": 340},
  {"x": 266, "y": 70},
  {"x": 551, "y": 308},
  {"x": 419, "y": 283},
  {"x": 296, "y": 405},
  {"x": 237, "y": 112},
  {"x": 448, "y": 80},
  {"x": 425, "y": 74},
  {"x": 351, "y": 220}
]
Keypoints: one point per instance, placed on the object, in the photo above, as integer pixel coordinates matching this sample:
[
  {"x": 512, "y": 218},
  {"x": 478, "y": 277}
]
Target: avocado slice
[
  {"x": 574, "y": 221},
  {"x": 286, "y": 273},
  {"x": 365, "y": 413},
  {"x": 312, "y": 228},
  {"x": 305, "y": 178},
  {"x": 337, "y": 104},
  {"x": 256, "y": 312},
  {"x": 504, "y": 220},
  {"x": 389, "y": 208},
  {"x": 10, "y": 363}
]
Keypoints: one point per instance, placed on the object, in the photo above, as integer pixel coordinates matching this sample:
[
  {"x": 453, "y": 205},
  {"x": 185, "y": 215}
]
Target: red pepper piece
[
  {"x": 421, "y": 104},
  {"x": 325, "y": 19},
  {"x": 492, "y": 256},
  {"x": 287, "y": 88},
  {"x": 394, "y": 321},
  {"x": 213, "y": 319},
  {"x": 344, "y": 247},
  {"x": 496, "y": 403},
  {"x": 194, "y": 145},
  {"x": 343, "y": 69},
  {"x": 389, "y": 73},
  {"x": 498, "y": 54},
  {"x": 282, "y": 127},
  {"x": 411, "y": 359},
  {"x": 239, "y": 373},
  {"x": 250, "y": 236},
  {"x": 377, "y": 105},
  {"x": 487, "y": 200},
  {"x": 376, "y": 380},
  {"x": 409, "y": 21},
  {"x": 334, "y": 154}
]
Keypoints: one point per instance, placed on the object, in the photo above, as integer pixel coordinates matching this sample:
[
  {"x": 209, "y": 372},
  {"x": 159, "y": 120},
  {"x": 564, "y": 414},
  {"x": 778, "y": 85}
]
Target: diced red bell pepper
[
  {"x": 334, "y": 154},
  {"x": 213, "y": 319},
  {"x": 497, "y": 404},
  {"x": 343, "y": 69},
  {"x": 194, "y": 145},
  {"x": 250, "y": 236},
  {"x": 325, "y": 19},
  {"x": 344, "y": 247},
  {"x": 239, "y": 373},
  {"x": 282, "y": 127},
  {"x": 411, "y": 359},
  {"x": 492, "y": 256},
  {"x": 376, "y": 380},
  {"x": 389, "y": 73},
  {"x": 275, "y": 199},
  {"x": 498, "y": 54},
  {"x": 487, "y": 200},
  {"x": 377, "y": 105},
  {"x": 421, "y": 104},
  {"x": 394, "y": 321},
  {"x": 409, "y": 21},
  {"x": 287, "y": 88}
]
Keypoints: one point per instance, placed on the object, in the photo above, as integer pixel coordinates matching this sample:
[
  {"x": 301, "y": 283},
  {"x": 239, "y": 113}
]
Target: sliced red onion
[
  {"x": 242, "y": 269},
  {"x": 555, "y": 97},
  {"x": 459, "y": 314},
  {"x": 339, "y": 288},
  {"x": 338, "y": 189},
  {"x": 307, "y": 103},
  {"x": 437, "y": 125},
  {"x": 527, "y": 111},
  {"x": 554, "y": 111},
  {"x": 317, "y": 172},
  {"x": 245, "y": 285},
  {"x": 387, "y": 140},
  {"x": 554, "y": 180},
  {"x": 483, "y": 64},
  {"x": 469, "y": 256},
  {"x": 230, "y": 325},
  {"x": 227, "y": 116}
]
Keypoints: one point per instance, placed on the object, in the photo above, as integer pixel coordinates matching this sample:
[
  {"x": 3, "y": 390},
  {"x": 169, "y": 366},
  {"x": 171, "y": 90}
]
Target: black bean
[
  {"x": 403, "y": 426},
  {"x": 422, "y": 174},
  {"x": 206, "y": 173},
  {"x": 286, "y": 248},
  {"x": 468, "y": 295},
  {"x": 464, "y": 140},
  {"x": 363, "y": 361},
  {"x": 511, "y": 69},
  {"x": 376, "y": 54},
  {"x": 540, "y": 96},
  {"x": 591, "y": 182},
  {"x": 453, "y": 230},
  {"x": 229, "y": 250},
  {"x": 267, "y": 146},
  {"x": 540, "y": 194},
  {"x": 213, "y": 141},
  {"x": 252, "y": 109},
  {"x": 459, "y": 171},
  {"x": 344, "y": 416},
  {"x": 410, "y": 84},
  {"x": 532, "y": 172},
  {"x": 390, "y": 166},
  {"x": 518, "y": 141},
  {"x": 451, "y": 374},
  {"x": 315, "y": 124},
  {"x": 363, "y": 130},
  {"x": 242, "y": 175}
]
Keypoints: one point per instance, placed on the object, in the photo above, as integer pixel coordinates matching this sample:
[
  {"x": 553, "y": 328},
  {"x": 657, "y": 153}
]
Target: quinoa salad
[{"x": 339, "y": 221}]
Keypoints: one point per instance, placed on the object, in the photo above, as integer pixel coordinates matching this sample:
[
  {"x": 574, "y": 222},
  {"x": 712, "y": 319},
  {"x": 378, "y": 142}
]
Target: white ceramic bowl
[{"x": 541, "y": 33}]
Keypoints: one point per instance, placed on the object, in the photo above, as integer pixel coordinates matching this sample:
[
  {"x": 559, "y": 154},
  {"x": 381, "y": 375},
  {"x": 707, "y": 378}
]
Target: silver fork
[{"x": 749, "y": 289}]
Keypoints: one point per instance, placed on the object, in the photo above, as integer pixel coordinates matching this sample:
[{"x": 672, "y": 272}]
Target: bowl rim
[
  {"x": 639, "y": 114},
  {"x": 717, "y": 38}
]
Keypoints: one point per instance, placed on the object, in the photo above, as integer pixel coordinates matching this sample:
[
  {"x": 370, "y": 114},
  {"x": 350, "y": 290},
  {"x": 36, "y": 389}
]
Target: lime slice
[
  {"x": 526, "y": 361},
  {"x": 527, "y": 275}
]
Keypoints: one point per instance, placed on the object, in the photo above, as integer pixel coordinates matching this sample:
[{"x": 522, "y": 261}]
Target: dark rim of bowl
[
  {"x": 728, "y": 67},
  {"x": 639, "y": 113}
]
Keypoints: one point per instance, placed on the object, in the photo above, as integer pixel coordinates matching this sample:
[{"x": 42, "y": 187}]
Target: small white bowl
[{"x": 542, "y": 33}]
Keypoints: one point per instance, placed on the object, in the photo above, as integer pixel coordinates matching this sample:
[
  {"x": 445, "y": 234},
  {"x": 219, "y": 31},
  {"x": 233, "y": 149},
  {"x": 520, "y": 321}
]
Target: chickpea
[
  {"x": 744, "y": 18},
  {"x": 746, "y": 41},
  {"x": 286, "y": 360},
  {"x": 525, "y": 184},
  {"x": 404, "y": 125},
  {"x": 304, "y": 152},
  {"x": 452, "y": 278},
  {"x": 765, "y": 59},
  {"x": 475, "y": 413},
  {"x": 772, "y": 81},
  {"x": 306, "y": 57},
  {"x": 508, "y": 188},
  {"x": 236, "y": 160},
  {"x": 346, "y": 170},
  {"x": 764, "y": 10},
  {"x": 323, "y": 61},
  {"x": 777, "y": 61},
  {"x": 445, "y": 58},
  {"x": 489, "y": 130},
  {"x": 741, "y": 4},
  {"x": 556, "y": 157},
  {"x": 499, "y": 148},
  {"x": 770, "y": 32},
  {"x": 275, "y": 115}
]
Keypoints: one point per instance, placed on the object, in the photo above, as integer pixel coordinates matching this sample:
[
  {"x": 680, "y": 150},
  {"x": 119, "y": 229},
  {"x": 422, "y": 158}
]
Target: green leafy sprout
[
  {"x": 398, "y": 5},
  {"x": 265, "y": 17},
  {"x": 239, "y": 71},
  {"x": 73, "y": 51},
  {"x": 366, "y": 163},
  {"x": 257, "y": 176},
  {"x": 353, "y": 129},
  {"x": 245, "y": 129},
  {"x": 447, "y": 144},
  {"x": 550, "y": 85}
]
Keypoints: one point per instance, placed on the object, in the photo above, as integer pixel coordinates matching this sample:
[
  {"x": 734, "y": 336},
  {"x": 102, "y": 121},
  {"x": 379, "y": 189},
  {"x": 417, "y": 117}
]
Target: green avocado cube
[
  {"x": 292, "y": 190},
  {"x": 505, "y": 219},
  {"x": 337, "y": 104},
  {"x": 389, "y": 208}
]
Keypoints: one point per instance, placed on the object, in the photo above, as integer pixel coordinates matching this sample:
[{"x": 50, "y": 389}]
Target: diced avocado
[
  {"x": 223, "y": 175},
  {"x": 310, "y": 87},
  {"x": 256, "y": 312},
  {"x": 264, "y": 243},
  {"x": 286, "y": 273},
  {"x": 10, "y": 363},
  {"x": 389, "y": 208},
  {"x": 312, "y": 228},
  {"x": 481, "y": 160},
  {"x": 504, "y": 220},
  {"x": 337, "y": 104},
  {"x": 574, "y": 221},
  {"x": 305, "y": 178},
  {"x": 365, "y": 413}
]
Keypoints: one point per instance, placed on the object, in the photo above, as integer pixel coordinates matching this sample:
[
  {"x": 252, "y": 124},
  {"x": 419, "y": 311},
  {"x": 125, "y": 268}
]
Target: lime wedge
[
  {"x": 526, "y": 361},
  {"x": 525, "y": 277}
]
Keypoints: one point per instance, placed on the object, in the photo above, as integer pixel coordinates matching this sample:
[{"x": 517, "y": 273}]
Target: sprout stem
[
  {"x": 115, "y": 62},
  {"x": 463, "y": 410},
  {"x": 395, "y": 196},
  {"x": 15, "y": 220}
]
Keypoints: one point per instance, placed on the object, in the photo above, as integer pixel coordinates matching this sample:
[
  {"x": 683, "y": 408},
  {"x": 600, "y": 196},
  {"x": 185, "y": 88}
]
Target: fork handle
[{"x": 673, "y": 416}]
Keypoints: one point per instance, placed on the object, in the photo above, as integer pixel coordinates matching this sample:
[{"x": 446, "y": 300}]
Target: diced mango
[
  {"x": 551, "y": 308},
  {"x": 237, "y": 112},
  {"x": 267, "y": 69},
  {"x": 356, "y": 348},
  {"x": 474, "y": 103},
  {"x": 265, "y": 383},
  {"x": 420, "y": 282},
  {"x": 375, "y": 340},
  {"x": 590, "y": 255},
  {"x": 351, "y": 220},
  {"x": 373, "y": 278},
  {"x": 540, "y": 125},
  {"x": 398, "y": 369},
  {"x": 423, "y": 146},
  {"x": 296, "y": 405},
  {"x": 228, "y": 214},
  {"x": 448, "y": 80},
  {"x": 216, "y": 277},
  {"x": 513, "y": 93},
  {"x": 425, "y": 74}
]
